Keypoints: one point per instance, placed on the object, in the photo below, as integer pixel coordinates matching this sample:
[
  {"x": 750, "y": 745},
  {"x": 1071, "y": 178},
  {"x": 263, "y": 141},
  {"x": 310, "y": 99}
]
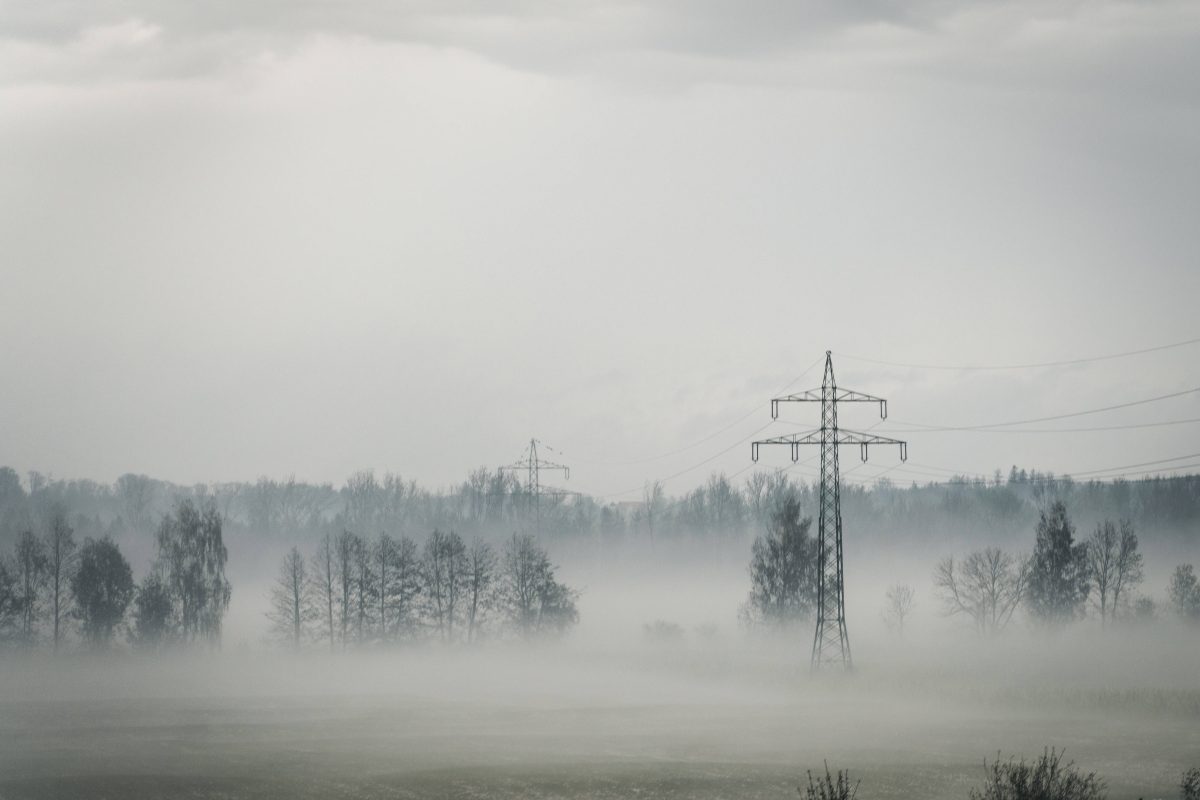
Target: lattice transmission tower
[
  {"x": 532, "y": 466},
  {"x": 831, "y": 643}
]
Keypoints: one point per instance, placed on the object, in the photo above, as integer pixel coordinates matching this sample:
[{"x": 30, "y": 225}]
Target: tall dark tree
[
  {"x": 345, "y": 547},
  {"x": 783, "y": 569},
  {"x": 399, "y": 580},
  {"x": 9, "y": 607},
  {"x": 192, "y": 557},
  {"x": 1184, "y": 593},
  {"x": 62, "y": 559},
  {"x": 535, "y": 602},
  {"x": 987, "y": 587},
  {"x": 364, "y": 579},
  {"x": 31, "y": 571},
  {"x": 481, "y": 586},
  {"x": 102, "y": 588},
  {"x": 1058, "y": 570},
  {"x": 324, "y": 581},
  {"x": 292, "y": 608},
  {"x": 383, "y": 553},
  {"x": 154, "y": 622},
  {"x": 444, "y": 568},
  {"x": 1114, "y": 565}
]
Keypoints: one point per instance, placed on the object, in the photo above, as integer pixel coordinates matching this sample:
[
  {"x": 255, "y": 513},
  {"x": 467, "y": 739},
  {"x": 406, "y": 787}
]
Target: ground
[{"x": 548, "y": 725}]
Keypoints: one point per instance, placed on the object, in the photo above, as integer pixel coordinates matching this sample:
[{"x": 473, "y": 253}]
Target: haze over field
[{"x": 379, "y": 383}]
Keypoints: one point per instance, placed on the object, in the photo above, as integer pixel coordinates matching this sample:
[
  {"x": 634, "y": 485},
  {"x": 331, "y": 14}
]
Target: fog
[{"x": 704, "y": 705}]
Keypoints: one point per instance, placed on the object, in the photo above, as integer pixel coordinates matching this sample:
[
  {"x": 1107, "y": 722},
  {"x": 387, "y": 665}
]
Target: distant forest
[{"x": 493, "y": 505}]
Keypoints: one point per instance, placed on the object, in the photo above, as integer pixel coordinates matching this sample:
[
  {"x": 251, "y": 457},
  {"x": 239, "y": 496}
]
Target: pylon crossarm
[
  {"x": 839, "y": 396},
  {"x": 542, "y": 465},
  {"x": 842, "y": 436}
]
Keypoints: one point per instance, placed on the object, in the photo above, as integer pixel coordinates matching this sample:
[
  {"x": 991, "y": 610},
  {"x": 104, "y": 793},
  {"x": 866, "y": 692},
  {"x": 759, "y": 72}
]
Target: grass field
[{"x": 575, "y": 725}]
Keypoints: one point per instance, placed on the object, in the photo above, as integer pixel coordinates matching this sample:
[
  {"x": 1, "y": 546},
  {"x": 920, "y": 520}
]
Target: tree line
[
  {"x": 1058, "y": 583},
  {"x": 492, "y": 504},
  {"x": 351, "y": 591},
  {"x": 55, "y": 589}
]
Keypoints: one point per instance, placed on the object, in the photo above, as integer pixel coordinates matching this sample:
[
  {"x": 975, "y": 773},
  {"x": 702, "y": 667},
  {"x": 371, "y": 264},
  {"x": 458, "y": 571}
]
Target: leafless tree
[
  {"x": 384, "y": 555},
  {"x": 291, "y": 600},
  {"x": 263, "y": 504},
  {"x": 404, "y": 588},
  {"x": 444, "y": 568},
  {"x": 324, "y": 578},
  {"x": 137, "y": 494},
  {"x": 653, "y": 499},
  {"x": 363, "y": 580},
  {"x": 362, "y": 495},
  {"x": 61, "y": 562},
  {"x": 1115, "y": 565},
  {"x": 536, "y": 603},
  {"x": 31, "y": 574},
  {"x": 987, "y": 586},
  {"x": 898, "y": 607},
  {"x": 345, "y": 545},
  {"x": 481, "y": 586}
]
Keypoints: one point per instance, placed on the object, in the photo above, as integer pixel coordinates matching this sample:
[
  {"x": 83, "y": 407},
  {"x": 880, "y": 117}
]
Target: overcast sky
[{"x": 246, "y": 238}]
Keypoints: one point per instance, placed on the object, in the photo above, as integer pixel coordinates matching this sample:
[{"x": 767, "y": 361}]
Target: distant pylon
[
  {"x": 831, "y": 642},
  {"x": 532, "y": 465}
]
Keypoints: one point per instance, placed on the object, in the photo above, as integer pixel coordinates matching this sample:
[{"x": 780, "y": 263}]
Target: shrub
[
  {"x": 829, "y": 787},
  {"x": 662, "y": 631},
  {"x": 1189, "y": 786},
  {"x": 1047, "y": 778}
]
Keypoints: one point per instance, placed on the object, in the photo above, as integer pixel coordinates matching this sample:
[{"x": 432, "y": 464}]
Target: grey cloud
[{"x": 1111, "y": 46}]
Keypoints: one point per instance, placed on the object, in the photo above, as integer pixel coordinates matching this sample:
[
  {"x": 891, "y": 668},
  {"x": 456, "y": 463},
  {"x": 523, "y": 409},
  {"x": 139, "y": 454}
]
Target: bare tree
[
  {"x": 363, "y": 580},
  {"x": 444, "y": 567},
  {"x": 402, "y": 589},
  {"x": 535, "y": 602},
  {"x": 137, "y": 495},
  {"x": 344, "y": 548},
  {"x": 396, "y": 582},
  {"x": 384, "y": 556},
  {"x": 653, "y": 499},
  {"x": 987, "y": 586},
  {"x": 291, "y": 600},
  {"x": 324, "y": 572},
  {"x": 31, "y": 573},
  {"x": 1183, "y": 592},
  {"x": 1114, "y": 565},
  {"x": 61, "y": 563},
  {"x": 898, "y": 607},
  {"x": 481, "y": 584}
]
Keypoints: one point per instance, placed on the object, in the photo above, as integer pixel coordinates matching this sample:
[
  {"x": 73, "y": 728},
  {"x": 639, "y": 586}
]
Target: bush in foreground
[
  {"x": 1189, "y": 786},
  {"x": 829, "y": 787},
  {"x": 1047, "y": 778}
]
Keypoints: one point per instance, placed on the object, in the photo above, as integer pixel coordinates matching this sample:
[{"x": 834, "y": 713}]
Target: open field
[{"x": 556, "y": 724}]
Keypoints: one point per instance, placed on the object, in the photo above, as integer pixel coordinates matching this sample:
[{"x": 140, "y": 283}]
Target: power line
[
  {"x": 923, "y": 427},
  {"x": 757, "y": 409},
  {"x": 1094, "y": 429},
  {"x": 696, "y": 466},
  {"x": 1063, "y": 363}
]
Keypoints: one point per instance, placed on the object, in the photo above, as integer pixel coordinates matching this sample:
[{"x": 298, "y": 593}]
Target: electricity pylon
[
  {"x": 831, "y": 642},
  {"x": 532, "y": 465}
]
